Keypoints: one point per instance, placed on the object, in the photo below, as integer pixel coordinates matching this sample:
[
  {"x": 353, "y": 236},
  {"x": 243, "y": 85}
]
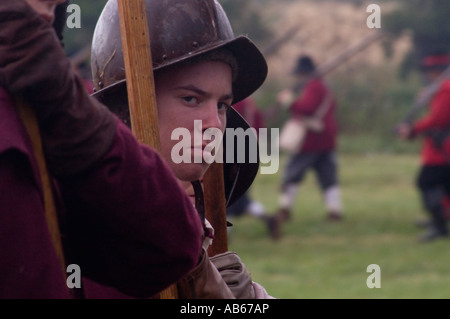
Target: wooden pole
[
  {"x": 329, "y": 66},
  {"x": 350, "y": 52},
  {"x": 275, "y": 46},
  {"x": 426, "y": 95},
  {"x": 215, "y": 207},
  {"x": 140, "y": 82},
  {"x": 139, "y": 71}
]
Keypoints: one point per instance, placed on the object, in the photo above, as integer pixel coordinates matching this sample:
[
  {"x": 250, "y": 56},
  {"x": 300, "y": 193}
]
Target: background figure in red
[
  {"x": 434, "y": 177},
  {"x": 318, "y": 151},
  {"x": 246, "y": 205}
]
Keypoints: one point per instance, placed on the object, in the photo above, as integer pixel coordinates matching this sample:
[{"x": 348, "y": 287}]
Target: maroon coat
[
  {"x": 121, "y": 227},
  {"x": 306, "y": 104}
]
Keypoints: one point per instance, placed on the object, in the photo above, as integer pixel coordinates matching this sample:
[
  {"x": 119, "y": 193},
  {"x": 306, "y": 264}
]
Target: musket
[
  {"x": 140, "y": 82},
  {"x": 332, "y": 64},
  {"x": 425, "y": 96},
  {"x": 342, "y": 57},
  {"x": 275, "y": 46}
]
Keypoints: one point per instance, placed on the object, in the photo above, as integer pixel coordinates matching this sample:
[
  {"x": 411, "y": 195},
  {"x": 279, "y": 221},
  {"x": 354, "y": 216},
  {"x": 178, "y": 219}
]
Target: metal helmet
[{"x": 180, "y": 30}]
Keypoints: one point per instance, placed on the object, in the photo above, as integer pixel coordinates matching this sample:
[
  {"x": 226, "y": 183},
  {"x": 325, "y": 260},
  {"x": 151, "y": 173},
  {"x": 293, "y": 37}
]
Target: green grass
[{"x": 318, "y": 259}]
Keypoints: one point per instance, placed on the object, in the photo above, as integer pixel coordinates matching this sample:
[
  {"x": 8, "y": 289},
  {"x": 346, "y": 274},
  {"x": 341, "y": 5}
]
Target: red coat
[
  {"x": 306, "y": 104},
  {"x": 437, "y": 118},
  {"x": 125, "y": 229}
]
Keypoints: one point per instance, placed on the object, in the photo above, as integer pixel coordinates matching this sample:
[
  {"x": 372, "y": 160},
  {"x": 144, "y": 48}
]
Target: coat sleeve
[
  {"x": 310, "y": 99},
  {"x": 130, "y": 225},
  {"x": 439, "y": 115}
]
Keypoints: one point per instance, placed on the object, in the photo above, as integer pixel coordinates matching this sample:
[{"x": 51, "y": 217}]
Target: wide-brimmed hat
[
  {"x": 305, "y": 65},
  {"x": 435, "y": 62}
]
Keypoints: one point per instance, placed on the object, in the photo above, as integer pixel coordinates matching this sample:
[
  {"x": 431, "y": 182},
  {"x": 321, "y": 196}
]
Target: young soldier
[
  {"x": 111, "y": 215},
  {"x": 200, "y": 69}
]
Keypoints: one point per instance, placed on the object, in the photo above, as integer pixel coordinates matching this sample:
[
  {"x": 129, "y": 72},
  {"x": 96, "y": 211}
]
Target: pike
[
  {"x": 140, "y": 82},
  {"x": 350, "y": 52},
  {"x": 215, "y": 207},
  {"x": 275, "y": 46},
  {"x": 422, "y": 101},
  {"x": 345, "y": 55},
  {"x": 425, "y": 96},
  {"x": 331, "y": 65}
]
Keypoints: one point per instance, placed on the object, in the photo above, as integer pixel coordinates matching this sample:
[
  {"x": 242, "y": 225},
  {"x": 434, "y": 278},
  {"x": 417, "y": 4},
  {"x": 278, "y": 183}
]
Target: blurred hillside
[{"x": 324, "y": 30}]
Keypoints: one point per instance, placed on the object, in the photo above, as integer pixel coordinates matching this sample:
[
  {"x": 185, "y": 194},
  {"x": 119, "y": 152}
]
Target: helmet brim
[
  {"x": 252, "y": 68},
  {"x": 238, "y": 177}
]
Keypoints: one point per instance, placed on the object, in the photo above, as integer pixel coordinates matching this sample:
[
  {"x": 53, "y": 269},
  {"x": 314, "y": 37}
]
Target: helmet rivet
[
  {"x": 100, "y": 84},
  {"x": 164, "y": 57},
  {"x": 195, "y": 44}
]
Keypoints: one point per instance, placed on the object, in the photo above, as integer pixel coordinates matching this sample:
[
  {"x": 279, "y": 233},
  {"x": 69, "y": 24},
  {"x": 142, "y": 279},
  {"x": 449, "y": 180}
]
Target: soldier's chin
[{"x": 190, "y": 171}]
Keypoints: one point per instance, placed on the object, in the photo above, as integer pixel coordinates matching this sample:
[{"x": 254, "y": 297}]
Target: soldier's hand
[
  {"x": 285, "y": 97},
  {"x": 235, "y": 274},
  {"x": 76, "y": 129},
  {"x": 204, "y": 282},
  {"x": 32, "y": 61},
  {"x": 404, "y": 131}
]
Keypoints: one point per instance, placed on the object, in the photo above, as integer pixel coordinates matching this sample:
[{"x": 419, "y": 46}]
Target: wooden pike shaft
[
  {"x": 350, "y": 52},
  {"x": 215, "y": 207},
  {"x": 140, "y": 82},
  {"x": 139, "y": 71}
]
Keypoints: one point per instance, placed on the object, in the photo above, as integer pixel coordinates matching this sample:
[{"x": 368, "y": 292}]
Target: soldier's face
[
  {"x": 191, "y": 99},
  {"x": 45, "y": 8}
]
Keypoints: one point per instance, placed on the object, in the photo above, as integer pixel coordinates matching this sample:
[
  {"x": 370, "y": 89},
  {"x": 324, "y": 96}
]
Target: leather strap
[{"x": 29, "y": 121}]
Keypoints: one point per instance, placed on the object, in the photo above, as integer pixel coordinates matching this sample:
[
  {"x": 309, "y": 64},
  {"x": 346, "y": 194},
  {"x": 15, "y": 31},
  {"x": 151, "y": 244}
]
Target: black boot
[
  {"x": 274, "y": 226},
  {"x": 438, "y": 224},
  {"x": 432, "y": 234}
]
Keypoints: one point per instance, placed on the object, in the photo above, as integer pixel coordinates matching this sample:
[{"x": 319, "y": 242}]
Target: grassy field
[{"x": 318, "y": 259}]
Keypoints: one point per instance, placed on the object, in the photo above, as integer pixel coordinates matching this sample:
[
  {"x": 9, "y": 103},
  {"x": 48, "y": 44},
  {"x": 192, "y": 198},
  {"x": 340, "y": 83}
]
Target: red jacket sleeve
[
  {"x": 130, "y": 224},
  {"x": 439, "y": 114},
  {"x": 310, "y": 99}
]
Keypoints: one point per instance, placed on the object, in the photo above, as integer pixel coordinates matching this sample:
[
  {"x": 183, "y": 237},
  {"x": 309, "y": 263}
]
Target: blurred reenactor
[
  {"x": 318, "y": 150},
  {"x": 433, "y": 179}
]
